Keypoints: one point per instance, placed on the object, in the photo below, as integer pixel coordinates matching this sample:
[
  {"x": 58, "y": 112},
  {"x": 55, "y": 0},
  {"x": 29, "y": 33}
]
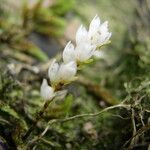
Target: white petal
[
  {"x": 67, "y": 71},
  {"x": 81, "y": 35},
  {"x": 99, "y": 54},
  {"x": 94, "y": 25},
  {"x": 104, "y": 33},
  {"x": 108, "y": 37},
  {"x": 47, "y": 92},
  {"x": 84, "y": 52},
  {"x": 104, "y": 27},
  {"x": 104, "y": 38},
  {"x": 68, "y": 53},
  {"x": 101, "y": 36},
  {"x": 52, "y": 71}
]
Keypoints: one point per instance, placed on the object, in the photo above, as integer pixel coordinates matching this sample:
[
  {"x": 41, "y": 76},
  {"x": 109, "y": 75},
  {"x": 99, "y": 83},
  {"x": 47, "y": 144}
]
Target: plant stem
[
  {"x": 75, "y": 117},
  {"x": 38, "y": 117}
]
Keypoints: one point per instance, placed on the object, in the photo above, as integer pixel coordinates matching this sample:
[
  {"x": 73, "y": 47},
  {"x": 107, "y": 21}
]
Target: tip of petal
[
  {"x": 68, "y": 53},
  {"x": 44, "y": 83},
  {"x": 96, "y": 18},
  {"x": 69, "y": 46},
  {"x": 106, "y": 23},
  {"x": 68, "y": 43},
  {"x": 94, "y": 25},
  {"x": 81, "y": 35},
  {"x": 80, "y": 27},
  {"x": 52, "y": 62},
  {"x": 81, "y": 31}
]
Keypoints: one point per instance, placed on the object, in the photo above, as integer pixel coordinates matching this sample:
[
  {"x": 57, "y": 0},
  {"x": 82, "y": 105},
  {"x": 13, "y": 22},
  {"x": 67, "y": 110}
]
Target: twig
[
  {"x": 138, "y": 133},
  {"x": 75, "y": 117},
  {"x": 141, "y": 116},
  {"x": 134, "y": 128}
]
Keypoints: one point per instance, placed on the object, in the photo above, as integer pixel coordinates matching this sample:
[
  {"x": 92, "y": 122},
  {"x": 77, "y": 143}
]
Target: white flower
[
  {"x": 47, "y": 92},
  {"x": 87, "y": 42},
  {"x": 67, "y": 72},
  {"x": 62, "y": 73},
  {"x": 98, "y": 33},
  {"x": 81, "y": 53}
]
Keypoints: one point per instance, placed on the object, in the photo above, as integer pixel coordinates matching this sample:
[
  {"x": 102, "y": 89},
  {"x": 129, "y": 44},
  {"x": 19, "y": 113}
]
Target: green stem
[{"x": 38, "y": 117}]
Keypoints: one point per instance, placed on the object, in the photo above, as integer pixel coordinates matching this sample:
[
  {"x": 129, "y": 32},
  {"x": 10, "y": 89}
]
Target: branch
[
  {"x": 138, "y": 133},
  {"x": 75, "y": 117}
]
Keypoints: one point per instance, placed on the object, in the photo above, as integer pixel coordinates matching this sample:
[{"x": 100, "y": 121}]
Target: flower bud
[
  {"x": 53, "y": 72},
  {"x": 47, "y": 92}
]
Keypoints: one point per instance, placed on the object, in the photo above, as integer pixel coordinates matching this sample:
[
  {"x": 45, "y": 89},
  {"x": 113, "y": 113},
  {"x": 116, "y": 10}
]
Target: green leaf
[
  {"x": 60, "y": 7},
  {"x": 10, "y": 111}
]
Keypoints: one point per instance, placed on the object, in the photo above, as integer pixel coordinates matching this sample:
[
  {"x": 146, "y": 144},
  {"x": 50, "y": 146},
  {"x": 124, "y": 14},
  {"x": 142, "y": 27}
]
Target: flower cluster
[{"x": 87, "y": 45}]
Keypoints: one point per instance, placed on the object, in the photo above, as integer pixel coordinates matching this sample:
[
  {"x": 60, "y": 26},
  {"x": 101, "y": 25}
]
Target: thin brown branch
[
  {"x": 134, "y": 128},
  {"x": 75, "y": 117},
  {"x": 138, "y": 133}
]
